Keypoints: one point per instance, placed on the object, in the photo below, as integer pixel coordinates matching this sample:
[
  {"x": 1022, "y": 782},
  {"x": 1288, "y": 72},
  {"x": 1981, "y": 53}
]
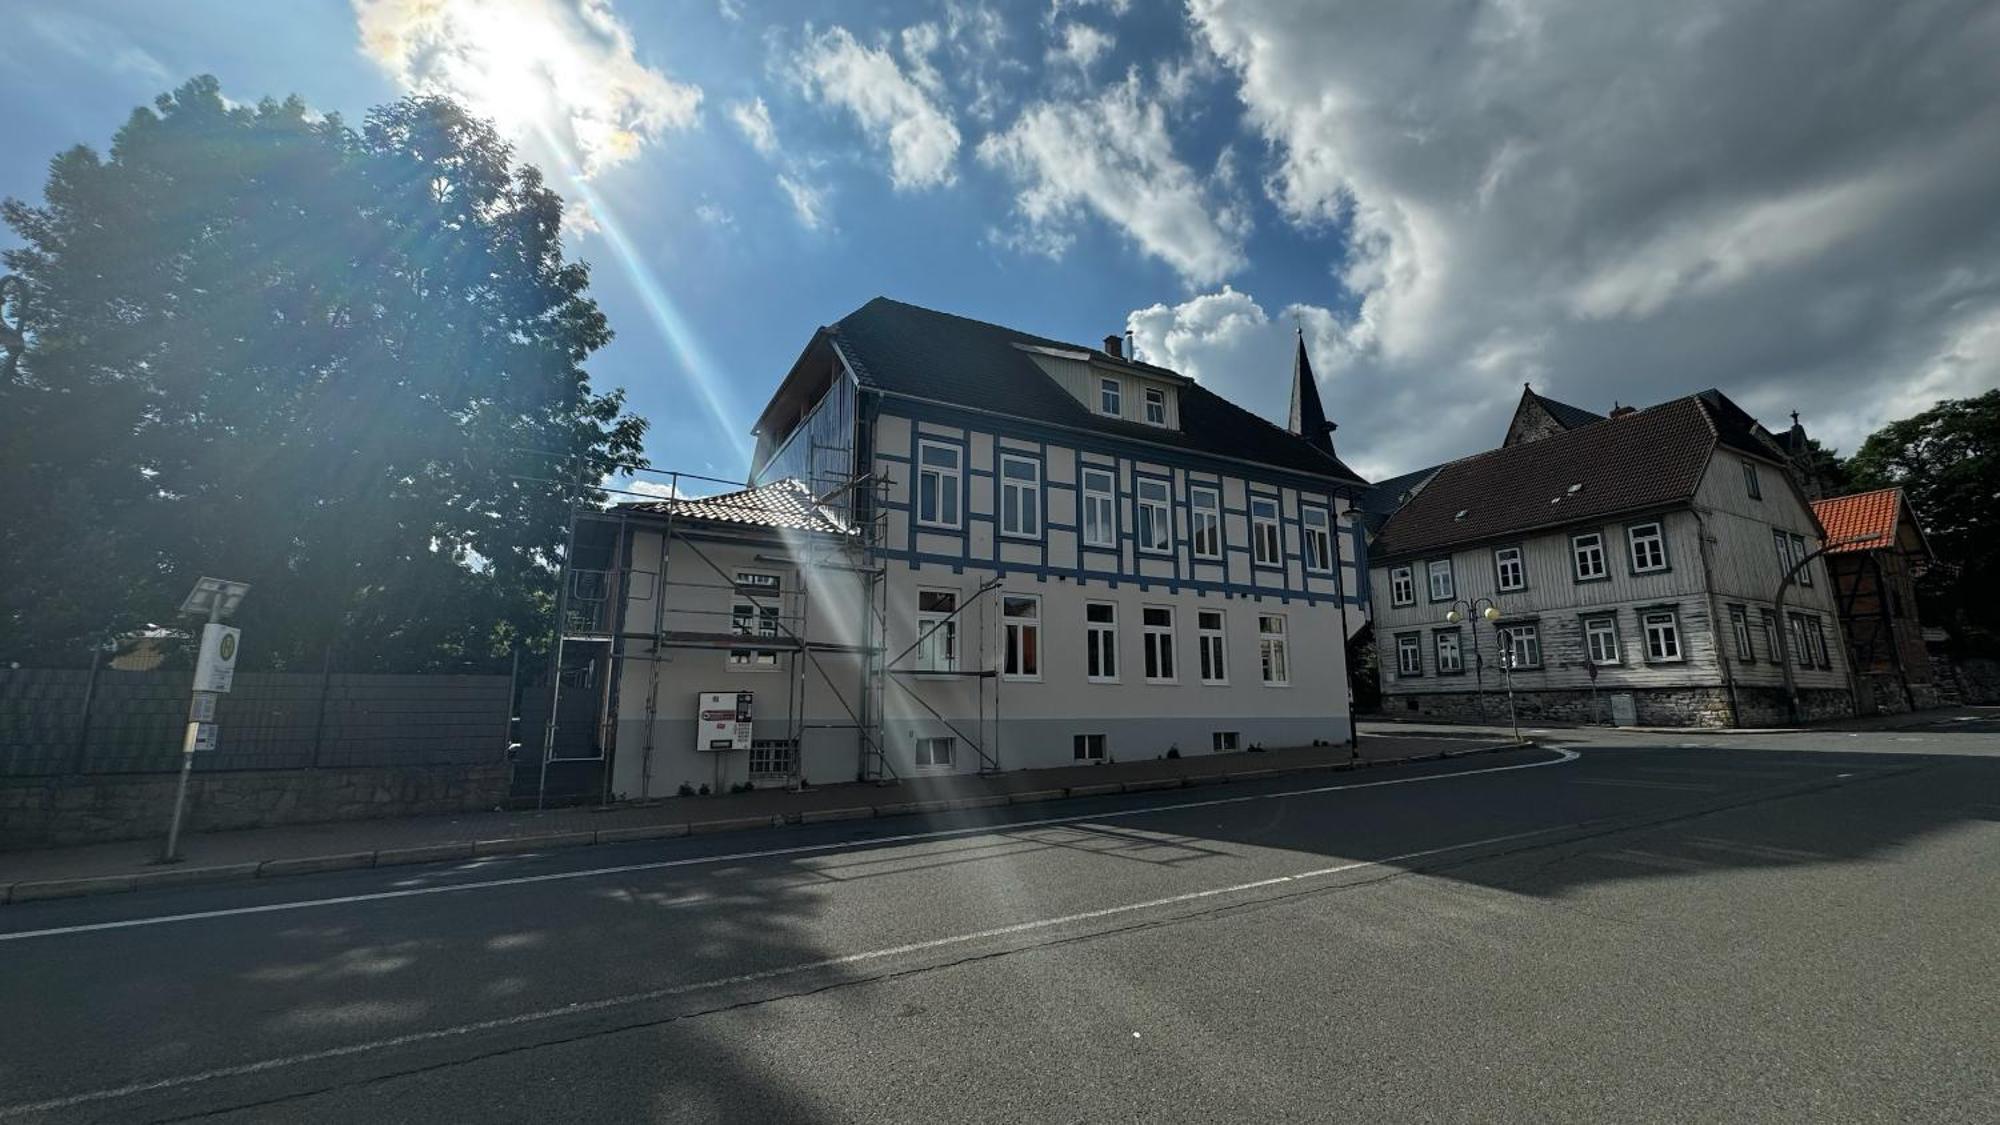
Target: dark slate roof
[
  {"x": 784, "y": 504},
  {"x": 1567, "y": 416},
  {"x": 1647, "y": 459},
  {"x": 906, "y": 349}
]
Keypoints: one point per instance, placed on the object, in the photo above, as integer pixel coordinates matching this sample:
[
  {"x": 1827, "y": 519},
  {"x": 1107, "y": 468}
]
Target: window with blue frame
[
  {"x": 938, "y": 468},
  {"x": 1264, "y": 540},
  {"x": 1155, "y": 518}
]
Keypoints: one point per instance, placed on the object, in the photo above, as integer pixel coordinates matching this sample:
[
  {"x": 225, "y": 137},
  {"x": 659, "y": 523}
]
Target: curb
[{"x": 46, "y": 889}]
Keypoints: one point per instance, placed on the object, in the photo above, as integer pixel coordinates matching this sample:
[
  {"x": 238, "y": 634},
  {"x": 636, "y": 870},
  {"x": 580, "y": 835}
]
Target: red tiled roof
[
  {"x": 786, "y": 504},
  {"x": 1865, "y": 521}
]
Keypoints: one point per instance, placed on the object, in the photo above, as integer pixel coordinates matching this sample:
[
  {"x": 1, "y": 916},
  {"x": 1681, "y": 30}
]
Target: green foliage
[
  {"x": 1947, "y": 461},
  {"x": 271, "y": 347}
]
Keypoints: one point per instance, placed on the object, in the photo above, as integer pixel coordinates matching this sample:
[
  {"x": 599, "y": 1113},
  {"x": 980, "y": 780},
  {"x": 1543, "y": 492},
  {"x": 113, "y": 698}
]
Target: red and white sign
[{"x": 722, "y": 721}]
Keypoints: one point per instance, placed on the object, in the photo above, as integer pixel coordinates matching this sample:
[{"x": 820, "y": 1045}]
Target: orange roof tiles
[{"x": 1865, "y": 521}]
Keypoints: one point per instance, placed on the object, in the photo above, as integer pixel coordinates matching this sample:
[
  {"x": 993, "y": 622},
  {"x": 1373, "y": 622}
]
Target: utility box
[
  {"x": 1624, "y": 710},
  {"x": 723, "y": 721}
]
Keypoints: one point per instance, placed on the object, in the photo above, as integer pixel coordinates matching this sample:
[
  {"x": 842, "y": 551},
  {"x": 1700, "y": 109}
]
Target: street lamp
[{"x": 1490, "y": 610}]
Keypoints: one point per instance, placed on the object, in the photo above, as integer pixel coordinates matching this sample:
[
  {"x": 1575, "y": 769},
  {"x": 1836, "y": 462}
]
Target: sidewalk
[
  {"x": 1380, "y": 725},
  {"x": 308, "y": 848}
]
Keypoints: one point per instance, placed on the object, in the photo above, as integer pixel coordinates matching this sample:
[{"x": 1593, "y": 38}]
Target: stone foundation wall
[
  {"x": 1657, "y": 707},
  {"x": 57, "y": 811}
]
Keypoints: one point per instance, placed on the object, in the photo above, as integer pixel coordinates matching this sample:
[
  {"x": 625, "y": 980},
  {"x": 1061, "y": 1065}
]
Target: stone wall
[
  {"x": 56, "y": 811},
  {"x": 1657, "y": 707}
]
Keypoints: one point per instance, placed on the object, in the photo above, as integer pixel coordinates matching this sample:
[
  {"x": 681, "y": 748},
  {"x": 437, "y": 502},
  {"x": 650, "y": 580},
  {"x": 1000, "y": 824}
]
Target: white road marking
[
  {"x": 1682, "y": 786},
  {"x": 612, "y": 1002},
  {"x": 737, "y": 857}
]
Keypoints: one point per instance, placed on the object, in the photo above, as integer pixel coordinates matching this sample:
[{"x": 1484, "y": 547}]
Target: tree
[
  {"x": 344, "y": 366},
  {"x": 1947, "y": 461}
]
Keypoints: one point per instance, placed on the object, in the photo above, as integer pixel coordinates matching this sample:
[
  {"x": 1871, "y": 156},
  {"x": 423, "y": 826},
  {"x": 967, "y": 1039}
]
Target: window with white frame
[
  {"x": 1809, "y": 642},
  {"x": 1156, "y": 406},
  {"x": 1088, "y": 747},
  {"x": 1586, "y": 554},
  {"x": 754, "y": 613},
  {"x": 938, "y": 488},
  {"x": 1509, "y": 569},
  {"x": 772, "y": 758},
  {"x": 1409, "y": 655},
  {"x": 1663, "y": 635},
  {"x": 1020, "y": 496},
  {"x": 1272, "y": 651},
  {"x": 1600, "y": 640},
  {"x": 1649, "y": 547},
  {"x": 1205, "y": 521},
  {"x": 1158, "y": 624},
  {"x": 1739, "y": 624},
  {"x": 937, "y": 631},
  {"x": 1448, "y": 657},
  {"x": 936, "y": 753},
  {"x": 1109, "y": 398},
  {"x": 1155, "y": 519},
  {"x": 1264, "y": 541},
  {"x": 1100, "y": 639},
  {"x": 1798, "y": 555},
  {"x": 1521, "y": 645},
  {"x": 1021, "y": 618},
  {"x": 1402, "y": 586},
  {"x": 1442, "y": 586},
  {"x": 1317, "y": 535},
  {"x": 1770, "y": 620},
  {"x": 1100, "y": 508},
  {"x": 1209, "y": 638},
  {"x": 1223, "y": 740},
  {"x": 1752, "y": 487}
]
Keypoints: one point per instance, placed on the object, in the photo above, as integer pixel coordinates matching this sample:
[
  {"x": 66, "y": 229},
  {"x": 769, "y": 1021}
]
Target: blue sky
[{"x": 1616, "y": 205}]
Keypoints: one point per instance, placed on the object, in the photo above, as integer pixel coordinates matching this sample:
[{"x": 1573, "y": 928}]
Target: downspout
[
  {"x": 1346, "y": 637},
  {"x": 1722, "y": 659}
]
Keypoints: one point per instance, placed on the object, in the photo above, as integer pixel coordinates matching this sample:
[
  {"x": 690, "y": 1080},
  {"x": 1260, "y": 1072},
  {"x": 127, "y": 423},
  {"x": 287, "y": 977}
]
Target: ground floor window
[
  {"x": 937, "y": 631},
  {"x": 1521, "y": 645},
  {"x": 1022, "y": 616},
  {"x": 772, "y": 758},
  {"x": 1663, "y": 635},
  {"x": 1600, "y": 635},
  {"x": 1225, "y": 740},
  {"x": 1213, "y": 668},
  {"x": 1739, "y": 624},
  {"x": 1272, "y": 650},
  {"x": 1449, "y": 659},
  {"x": 1409, "y": 655},
  {"x": 1089, "y": 747},
  {"x": 936, "y": 753}
]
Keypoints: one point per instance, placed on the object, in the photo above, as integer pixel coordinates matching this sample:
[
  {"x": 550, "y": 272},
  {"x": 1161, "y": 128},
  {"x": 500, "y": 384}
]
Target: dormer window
[
  {"x": 1156, "y": 406},
  {"x": 1109, "y": 397}
]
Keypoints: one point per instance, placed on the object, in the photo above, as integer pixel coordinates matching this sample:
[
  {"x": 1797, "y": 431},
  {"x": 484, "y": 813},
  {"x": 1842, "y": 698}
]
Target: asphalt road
[{"x": 1799, "y": 931}]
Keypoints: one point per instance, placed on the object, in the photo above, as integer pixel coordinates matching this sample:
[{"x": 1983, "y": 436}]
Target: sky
[{"x": 1616, "y": 203}]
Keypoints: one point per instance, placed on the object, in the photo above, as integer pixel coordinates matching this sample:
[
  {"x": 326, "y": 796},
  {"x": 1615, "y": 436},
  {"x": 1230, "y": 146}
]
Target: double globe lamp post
[{"x": 1488, "y": 609}]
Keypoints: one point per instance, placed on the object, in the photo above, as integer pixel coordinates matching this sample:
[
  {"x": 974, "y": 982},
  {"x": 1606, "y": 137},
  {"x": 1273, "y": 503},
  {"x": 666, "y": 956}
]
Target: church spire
[{"x": 1308, "y": 418}]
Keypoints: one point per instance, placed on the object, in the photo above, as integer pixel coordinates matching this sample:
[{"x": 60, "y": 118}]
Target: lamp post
[
  {"x": 1781, "y": 627},
  {"x": 1490, "y": 610}
]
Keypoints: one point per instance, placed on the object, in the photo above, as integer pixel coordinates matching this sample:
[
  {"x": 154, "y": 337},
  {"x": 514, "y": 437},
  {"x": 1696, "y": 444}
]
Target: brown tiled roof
[
  {"x": 1647, "y": 459},
  {"x": 1865, "y": 521},
  {"x": 784, "y": 504}
]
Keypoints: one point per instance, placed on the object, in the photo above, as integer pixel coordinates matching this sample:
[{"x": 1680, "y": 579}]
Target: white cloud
[
  {"x": 715, "y": 215},
  {"x": 558, "y": 73},
  {"x": 1079, "y": 45},
  {"x": 730, "y": 10},
  {"x": 808, "y": 201},
  {"x": 1626, "y": 203},
  {"x": 1112, "y": 156},
  {"x": 895, "y": 110},
  {"x": 754, "y": 118}
]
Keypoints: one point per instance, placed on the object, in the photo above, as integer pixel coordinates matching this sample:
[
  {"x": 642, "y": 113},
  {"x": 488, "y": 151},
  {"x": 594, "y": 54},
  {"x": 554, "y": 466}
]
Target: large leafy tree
[
  {"x": 1947, "y": 461},
  {"x": 342, "y": 365}
]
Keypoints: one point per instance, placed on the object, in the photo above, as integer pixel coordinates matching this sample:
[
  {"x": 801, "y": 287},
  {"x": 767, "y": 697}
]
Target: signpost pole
[
  {"x": 214, "y": 673},
  {"x": 196, "y": 707}
]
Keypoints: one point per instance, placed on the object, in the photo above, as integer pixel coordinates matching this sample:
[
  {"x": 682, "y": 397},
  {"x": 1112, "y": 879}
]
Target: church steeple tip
[{"x": 1308, "y": 418}]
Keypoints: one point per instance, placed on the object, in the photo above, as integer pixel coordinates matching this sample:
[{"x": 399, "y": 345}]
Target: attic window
[
  {"x": 1461, "y": 514},
  {"x": 1575, "y": 488}
]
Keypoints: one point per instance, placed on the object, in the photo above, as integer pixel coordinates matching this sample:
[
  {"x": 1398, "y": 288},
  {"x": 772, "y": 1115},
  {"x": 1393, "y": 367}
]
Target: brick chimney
[
  {"x": 1114, "y": 346},
  {"x": 1620, "y": 411}
]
